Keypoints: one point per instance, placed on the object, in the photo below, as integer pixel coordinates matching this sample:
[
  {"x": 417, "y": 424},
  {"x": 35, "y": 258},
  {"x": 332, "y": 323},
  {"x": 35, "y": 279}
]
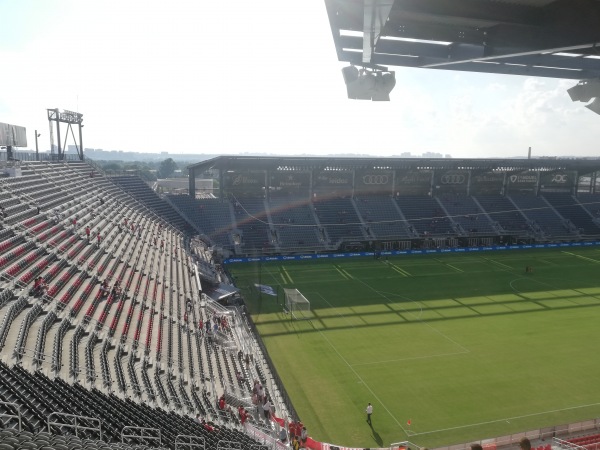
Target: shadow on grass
[
  {"x": 536, "y": 306},
  {"x": 376, "y": 436}
]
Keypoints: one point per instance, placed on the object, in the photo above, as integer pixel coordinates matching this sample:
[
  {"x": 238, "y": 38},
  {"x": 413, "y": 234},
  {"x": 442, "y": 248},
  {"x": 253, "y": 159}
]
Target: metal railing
[
  {"x": 75, "y": 423},
  {"x": 566, "y": 444},
  {"x": 229, "y": 445},
  {"x": 144, "y": 434},
  {"x": 16, "y": 415},
  {"x": 189, "y": 442}
]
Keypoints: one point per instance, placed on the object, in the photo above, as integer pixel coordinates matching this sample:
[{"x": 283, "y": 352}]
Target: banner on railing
[{"x": 409, "y": 252}]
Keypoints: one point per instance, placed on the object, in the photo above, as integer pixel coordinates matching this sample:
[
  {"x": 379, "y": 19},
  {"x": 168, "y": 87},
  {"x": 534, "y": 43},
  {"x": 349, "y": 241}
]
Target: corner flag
[{"x": 266, "y": 289}]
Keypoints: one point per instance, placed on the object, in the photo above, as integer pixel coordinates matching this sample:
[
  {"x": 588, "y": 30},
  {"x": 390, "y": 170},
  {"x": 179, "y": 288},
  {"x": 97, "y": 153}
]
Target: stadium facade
[{"x": 310, "y": 204}]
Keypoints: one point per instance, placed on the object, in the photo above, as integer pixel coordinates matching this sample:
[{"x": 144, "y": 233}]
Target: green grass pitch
[{"x": 465, "y": 346}]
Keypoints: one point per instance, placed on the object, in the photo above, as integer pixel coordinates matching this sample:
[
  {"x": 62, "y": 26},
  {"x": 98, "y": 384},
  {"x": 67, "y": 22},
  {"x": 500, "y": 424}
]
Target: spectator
[
  {"x": 36, "y": 284},
  {"x": 43, "y": 288},
  {"x": 292, "y": 428},
  {"x": 87, "y": 233},
  {"x": 303, "y": 436},
  {"x": 261, "y": 393},
  {"x": 525, "y": 444},
  {"x": 38, "y": 287},
  {"x": 243, "y": 414},
  {"x": 117, "y": 291},
  {"x": 267, "y": 409},
  {"x": 104, "y": 288},
  {"x": 283, "y": 435},
  {"x": 209, "y": 426}
]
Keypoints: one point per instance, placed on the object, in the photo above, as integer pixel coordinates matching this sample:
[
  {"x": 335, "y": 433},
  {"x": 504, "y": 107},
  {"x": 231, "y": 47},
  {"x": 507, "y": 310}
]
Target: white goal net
[{"x": 296, "y": 303}]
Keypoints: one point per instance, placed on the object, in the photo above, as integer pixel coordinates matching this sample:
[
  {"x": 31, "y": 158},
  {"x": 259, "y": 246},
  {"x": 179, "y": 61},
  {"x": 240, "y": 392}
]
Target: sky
[{"x": 239, "y": 76}]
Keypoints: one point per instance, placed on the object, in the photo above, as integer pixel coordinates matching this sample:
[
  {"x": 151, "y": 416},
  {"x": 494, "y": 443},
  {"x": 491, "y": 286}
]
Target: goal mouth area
[{"x": 297, "y": 305}]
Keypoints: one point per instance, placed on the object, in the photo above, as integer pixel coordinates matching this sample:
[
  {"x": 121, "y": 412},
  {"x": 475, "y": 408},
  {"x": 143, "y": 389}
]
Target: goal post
[{"x": 297, "y": 304}]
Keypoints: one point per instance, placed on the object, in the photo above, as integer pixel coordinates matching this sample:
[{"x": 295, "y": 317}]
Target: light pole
[{"x": 37, "y": 152}]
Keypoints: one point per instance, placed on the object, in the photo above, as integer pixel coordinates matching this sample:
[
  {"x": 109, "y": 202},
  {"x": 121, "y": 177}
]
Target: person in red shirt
[
  {"x": 243, "y": 414},
  {"x": 37, "y": 286},
  {"x": 87, "y": 233}
]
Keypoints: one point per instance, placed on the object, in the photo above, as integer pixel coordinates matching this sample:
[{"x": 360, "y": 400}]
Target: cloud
[{"x": 227, "y": 77}]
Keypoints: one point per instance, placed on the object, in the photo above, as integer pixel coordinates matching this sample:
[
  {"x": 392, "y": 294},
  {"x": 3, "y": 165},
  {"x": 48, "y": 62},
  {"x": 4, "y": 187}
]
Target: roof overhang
[
  {"x": 299, "y": 164},
  {"x": 543, "y": 38}
]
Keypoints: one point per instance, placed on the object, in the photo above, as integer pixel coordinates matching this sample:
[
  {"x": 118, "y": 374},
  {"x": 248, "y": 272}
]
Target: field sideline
[{"x": 464, "y": 346}]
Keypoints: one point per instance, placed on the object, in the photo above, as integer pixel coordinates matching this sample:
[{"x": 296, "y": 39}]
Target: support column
[
  {"x": 221, "y": 184},
  {"x": 80, "y": 142},
  {"x": 58, "y": 143},
  {"x": 37, "y": 151},
  {"x": 192, "y": 183}
]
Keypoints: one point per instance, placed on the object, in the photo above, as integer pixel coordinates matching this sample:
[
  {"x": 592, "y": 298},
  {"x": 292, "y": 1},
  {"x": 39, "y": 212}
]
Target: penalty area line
[
  {"x": 506, "y": 419},
  {"x": 582, "y": 257},
  {"x": 333, "y": 347}
]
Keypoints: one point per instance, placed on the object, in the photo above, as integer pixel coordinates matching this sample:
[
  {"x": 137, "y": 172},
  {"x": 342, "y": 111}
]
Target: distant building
[{"x": 181, "y": 185}]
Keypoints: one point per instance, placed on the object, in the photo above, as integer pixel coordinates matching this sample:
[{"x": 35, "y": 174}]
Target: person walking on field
[{"x": 369, "y": 411}]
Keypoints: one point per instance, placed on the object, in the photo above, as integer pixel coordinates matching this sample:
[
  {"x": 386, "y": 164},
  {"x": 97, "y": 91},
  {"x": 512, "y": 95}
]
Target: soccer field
[{"x": 464, "y": 346}]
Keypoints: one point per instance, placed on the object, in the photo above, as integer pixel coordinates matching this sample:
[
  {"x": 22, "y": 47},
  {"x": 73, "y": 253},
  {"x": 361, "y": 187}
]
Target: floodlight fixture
[
  {"x": 350, "y": 74},
  {"x": 385, "y": 84},
  {"x": 594, "y": 106},
  {"x": 585, "y": 90},
  {"x": 368, "y": 83}
]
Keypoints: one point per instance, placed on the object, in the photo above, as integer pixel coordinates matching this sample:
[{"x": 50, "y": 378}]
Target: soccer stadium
[
  {"x": 315, "y": 302},
  {"x": 122, "y": 317}
]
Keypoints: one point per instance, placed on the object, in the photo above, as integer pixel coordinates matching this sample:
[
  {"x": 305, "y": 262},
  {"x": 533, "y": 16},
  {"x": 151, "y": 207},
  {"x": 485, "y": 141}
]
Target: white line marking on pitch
[
  {"x": 359, "y": 377},
  {"x": 390, "y": 360},
  {"x": 506, "y": 419},
  {"x": 418, "y": 318},
  {"x": 465, "y": 350}
]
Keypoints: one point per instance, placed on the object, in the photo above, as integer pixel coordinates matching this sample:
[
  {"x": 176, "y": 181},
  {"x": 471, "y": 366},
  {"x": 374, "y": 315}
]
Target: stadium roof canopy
[
  {"x": 542, "y": 38},
  {"x": 301, "y": 163}
]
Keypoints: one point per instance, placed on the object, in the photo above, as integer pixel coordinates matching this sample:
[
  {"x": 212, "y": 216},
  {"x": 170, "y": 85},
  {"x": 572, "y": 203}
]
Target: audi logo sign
[
  {"x": 559, "y": 179},
  {"x": 375, "y": 179},
  {"x": 453, "y": 179}
]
